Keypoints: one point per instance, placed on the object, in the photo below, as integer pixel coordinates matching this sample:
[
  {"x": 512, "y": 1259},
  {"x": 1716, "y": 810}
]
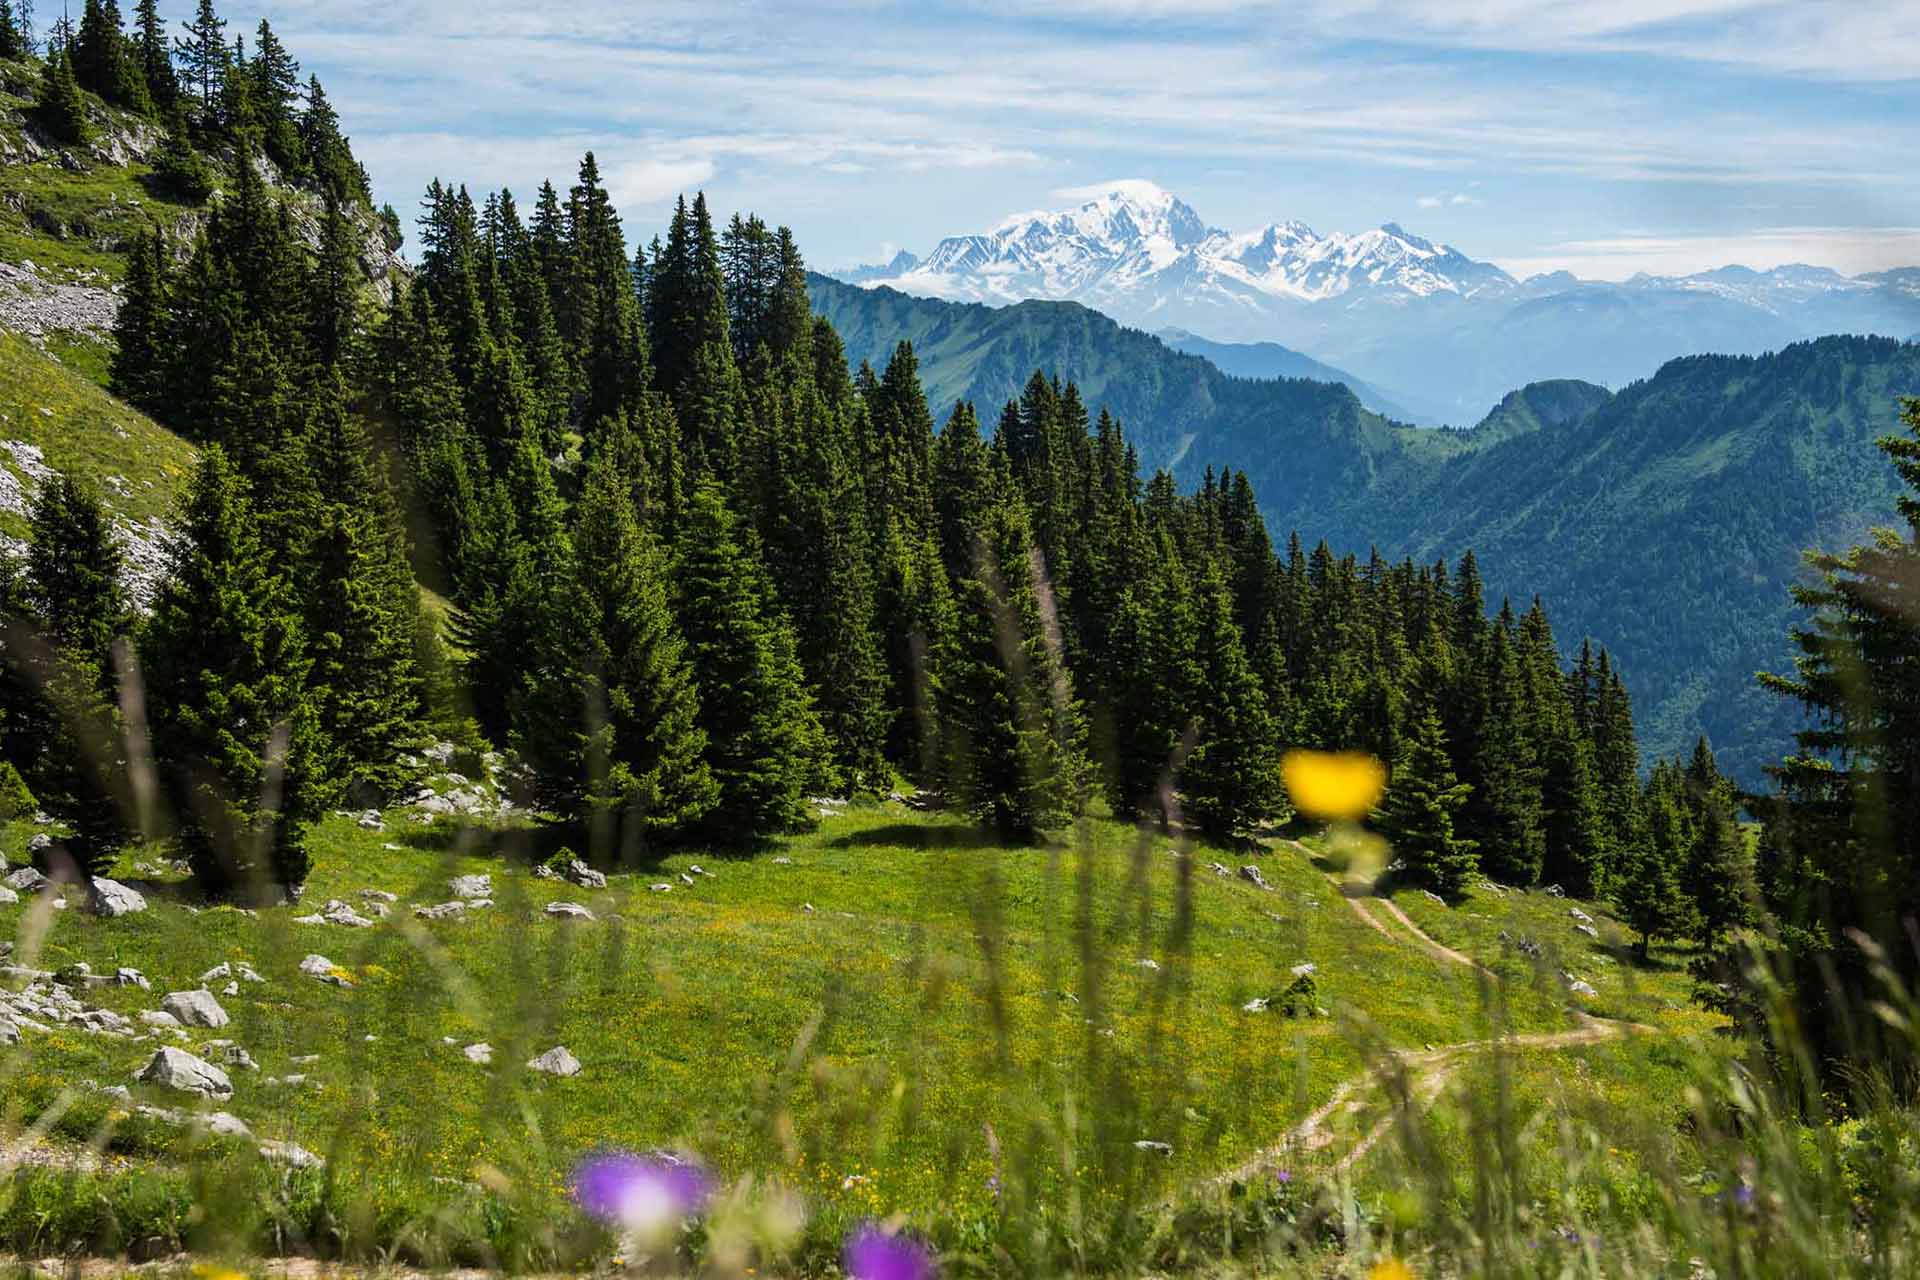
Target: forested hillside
[{"x": 1666, "y": 521}]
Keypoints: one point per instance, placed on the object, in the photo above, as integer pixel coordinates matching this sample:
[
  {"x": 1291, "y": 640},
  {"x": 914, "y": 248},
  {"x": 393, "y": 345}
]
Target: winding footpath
[{"x": 1425, "y": 1071}]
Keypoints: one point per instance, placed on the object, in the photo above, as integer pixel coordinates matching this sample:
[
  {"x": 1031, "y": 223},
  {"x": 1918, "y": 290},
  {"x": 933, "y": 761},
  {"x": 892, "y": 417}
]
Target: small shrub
[{"x": 16, "y": 801}]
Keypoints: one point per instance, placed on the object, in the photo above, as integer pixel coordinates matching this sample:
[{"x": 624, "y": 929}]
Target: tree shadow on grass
[{"x": 917, "y": 835}]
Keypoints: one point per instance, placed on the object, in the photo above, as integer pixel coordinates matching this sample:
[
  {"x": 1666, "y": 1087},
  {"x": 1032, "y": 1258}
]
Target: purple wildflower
[
  {"x": 1283, "y": 1176},
  {"x": 872, "y": 1254},
  {"x": 1743, "y": 1195},
  {"x": 625, "y": 1190}
]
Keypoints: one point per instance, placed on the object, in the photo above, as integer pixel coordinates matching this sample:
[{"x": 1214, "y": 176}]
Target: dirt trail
[{"x": 1425, "y": 1070}]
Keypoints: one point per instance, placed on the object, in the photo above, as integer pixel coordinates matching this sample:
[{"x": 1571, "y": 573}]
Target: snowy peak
[{"x": 1134, "y": 248}]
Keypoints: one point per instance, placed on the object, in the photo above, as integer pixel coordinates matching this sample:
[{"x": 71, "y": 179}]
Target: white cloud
[
  {"x": 644, "y": 182},
  {"x": 1849, "y": 250}
]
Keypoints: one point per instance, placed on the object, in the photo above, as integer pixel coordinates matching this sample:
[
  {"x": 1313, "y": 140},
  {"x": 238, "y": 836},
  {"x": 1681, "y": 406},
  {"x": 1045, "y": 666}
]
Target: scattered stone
[
  {"x": 132, "y": 978},
  {"x": 699, "y": 870},
  {"x": 7, "y": 896},
  {"x": 290, "y": 1154},
  {"x": 556, "y": 1062},
  {"x": 1554, "y": 891},
  {"x": 1579, "y": 988},
  {"x": 479, "y": 1054},
  {"x": 1220, "y": 869},
  {"x": 1256, "y": 1005},
  {"x": 1589, "y": 930},
  {"x": 442, "y": 911},
  {"x": 1147, "y": 964},
  {"x": 783, "y": 862},
  {"x": 1305, "y": 969},
  {"x": 317, "y": 966},
  {"x": 26, "y": 880},
  {"x": 38, "y": 841},
  {"x": 1580, "y": 915},
  {"x": 1157, "y": 1148},
  {"x": 178, "y": 1069},
  {"x": 110, "y": 898},
  {"x": 1432, "y": 896},
  {"x": 568, "y": 911},
  {"x": 579, "y": 873},
  {"x": 807, "y": 907},
  {"x": 687, "y": 879},
  {"x": 236, "y": 1056},
  {"x": 338, "y": 912},
  {"x": 231, "y": 989},
  {"x": 220, "y": 972},
  {"x": 312, "y": 919},
  {"x": 159, "y": 1018},
  {"x": 662, "y": 887},
  {"x": 1251, "y": 874},
  {"x": 195, "y": 1008},
  {"x": 226, "y": 1125},
  {"x": 471, "y": 886}
]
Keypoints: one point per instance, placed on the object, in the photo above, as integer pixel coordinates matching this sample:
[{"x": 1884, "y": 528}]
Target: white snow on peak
[{"x": 1132, "y": 242}]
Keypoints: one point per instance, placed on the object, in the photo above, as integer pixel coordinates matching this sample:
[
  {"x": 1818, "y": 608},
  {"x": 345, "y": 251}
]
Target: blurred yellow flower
[
  {"x": 213, "y": 1271},
  {"x": 1391, "y": 1269},
  {"x": 1333, "y": 785}
]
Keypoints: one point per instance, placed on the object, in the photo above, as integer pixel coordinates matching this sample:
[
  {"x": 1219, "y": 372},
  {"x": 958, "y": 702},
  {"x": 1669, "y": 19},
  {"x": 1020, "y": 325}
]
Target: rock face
[
  {"x": 471, "y": 886},
  {"x": 178, "y": 1069},
  {"x": 578, "y": 872},
  {"x": 195, "y": 1009},
  {"x": 556, "y": 1062},
  {"x": 111, "y": 898}
]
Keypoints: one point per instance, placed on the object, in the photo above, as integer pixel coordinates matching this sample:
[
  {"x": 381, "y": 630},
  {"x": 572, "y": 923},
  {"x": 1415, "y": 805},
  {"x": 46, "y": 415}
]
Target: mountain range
[
  {"x": 1424, "y": 325},
  {"x": 1665, "y": 520}
]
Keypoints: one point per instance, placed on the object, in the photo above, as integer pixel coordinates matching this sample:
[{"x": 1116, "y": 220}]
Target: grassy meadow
[{"x": 1022, "y": 1052}]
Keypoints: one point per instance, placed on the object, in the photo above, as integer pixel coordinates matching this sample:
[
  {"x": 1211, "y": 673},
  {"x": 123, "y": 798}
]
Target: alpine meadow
[{"x": 556, "y": 732}]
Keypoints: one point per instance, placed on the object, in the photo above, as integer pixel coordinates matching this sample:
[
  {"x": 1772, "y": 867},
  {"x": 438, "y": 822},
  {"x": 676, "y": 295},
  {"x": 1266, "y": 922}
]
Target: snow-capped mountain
[
  {"x": 1139, "y": 250},
  {"x": 1439, "y": 332}
]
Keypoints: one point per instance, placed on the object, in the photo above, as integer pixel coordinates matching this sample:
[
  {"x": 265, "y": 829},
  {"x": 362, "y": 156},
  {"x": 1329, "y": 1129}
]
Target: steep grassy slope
[{"x": 52, "y": 416}]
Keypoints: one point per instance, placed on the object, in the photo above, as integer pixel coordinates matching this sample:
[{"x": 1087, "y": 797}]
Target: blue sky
[{"x": 1606, "y": 137}]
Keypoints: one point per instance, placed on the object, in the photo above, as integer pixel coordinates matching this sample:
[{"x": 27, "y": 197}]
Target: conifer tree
[
  {"x": 1648, "y": 889},
  {"x": 1011, "y": 729},
  {"x": 274, "y": 89},
  {"x": 1422, "y": 804},
  {"x": 765, "y": 746},
  {"x": 1153, "y": 682},
  {"x": 13, "y": 40},
  {"x": 203, "y": 56},
  {"x": 362, "y": 607},
  {"x": 153, "y": 51},
  {"x": 1502, "y": 813},
  {"x": 74, "y": 568},
  {"x": 611, "y": 721},
  {"x": 235, "y": 737},
  {"x": 1845, "y": 823},
  {"x": 329, "y": 157},
  {"x": 58, "y": 104},
  {"x": 141, "y": 329},
  {"x": 1231, "y": 778},
  {"x": 182, "y": 171}
]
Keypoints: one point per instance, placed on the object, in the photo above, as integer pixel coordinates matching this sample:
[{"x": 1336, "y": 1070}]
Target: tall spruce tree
[
  {"x": 1422, "y": 805},
  {"x": 58, "y": 104},
  {"x": 142, "y": 329},
  {"x": 203, "y": 56},
  {"x": 611, "y": 722},
  {"x": 1012, "y": 732},
  {"x": 235, "y": 735},
  {"x": 13, "y": 38},
  {"x": 1231, "y": 778},
  {"x": 1846, "y": 816},
  {"x": 153, "y": 51},
  {"x": 765, "y": 746}
]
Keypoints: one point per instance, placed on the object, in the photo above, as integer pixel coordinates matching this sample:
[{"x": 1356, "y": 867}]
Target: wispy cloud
[{"x": 1849, "y": 250}]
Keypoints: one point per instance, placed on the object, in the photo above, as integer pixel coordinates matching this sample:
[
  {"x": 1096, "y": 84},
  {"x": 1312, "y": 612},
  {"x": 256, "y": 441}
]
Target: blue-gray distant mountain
[
  {"x": 1422, "y": 323},
  {"x": 1271, "y": 360}
]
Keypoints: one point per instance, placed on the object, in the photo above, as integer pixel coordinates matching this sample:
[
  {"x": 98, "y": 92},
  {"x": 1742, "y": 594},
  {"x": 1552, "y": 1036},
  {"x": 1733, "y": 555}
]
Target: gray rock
[
  {"x": 381, "y": 895},
  {"x": 111, "y": 898},
  {"x": 317, "y": 966},
  {"x": 1157, "y": 1148},
  {"x": 471, "y": 886},
  {"x": 1579, "y": 915},
  {"x": 178, "y": 1069},
  {"x": 1251, "y": 874},
  {"x": 1434, "y": 897},
  {"x": 1305, "y": 968},
  {"x": 289, "y": 1154},
  {"x": 568, "y": 911},
  {"x": 26, "y": 880},
  {"x": 195, "y": 1008},
  {"x": 1579, "y": 988},
  {"x": 662, "y": 887},
  {"x": 1256, "y": 1005},
  {"x": 556, "y": 1062},
  {"x": 1220, "y": 869},
  {"x": 7, "y": 896},
  {"x": 783, "y": 862},
  {"x": 226, "y": 1125},
  {"x": 157, "y": 1018},
  {"x": 1589, "y": 930},
  {"x": 481, "y": 1054},
  {"x": 578, "y": 872},
  {"x": 236, "y": 1056},
  {"x": 132, "y": 978},
  {"x": 442, "y": 911},
  {"x": 38, "y": 841}
]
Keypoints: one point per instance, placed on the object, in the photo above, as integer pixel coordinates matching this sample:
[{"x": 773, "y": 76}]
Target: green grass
[
  {"x": 859, "y": 1050},
  {"x": 140, "y": 467}
]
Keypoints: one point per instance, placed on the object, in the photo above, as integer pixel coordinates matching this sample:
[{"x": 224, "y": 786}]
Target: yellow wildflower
[
  {"x": 1390, "y": 1269},
  {"x": 1325, "y": 784}
]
